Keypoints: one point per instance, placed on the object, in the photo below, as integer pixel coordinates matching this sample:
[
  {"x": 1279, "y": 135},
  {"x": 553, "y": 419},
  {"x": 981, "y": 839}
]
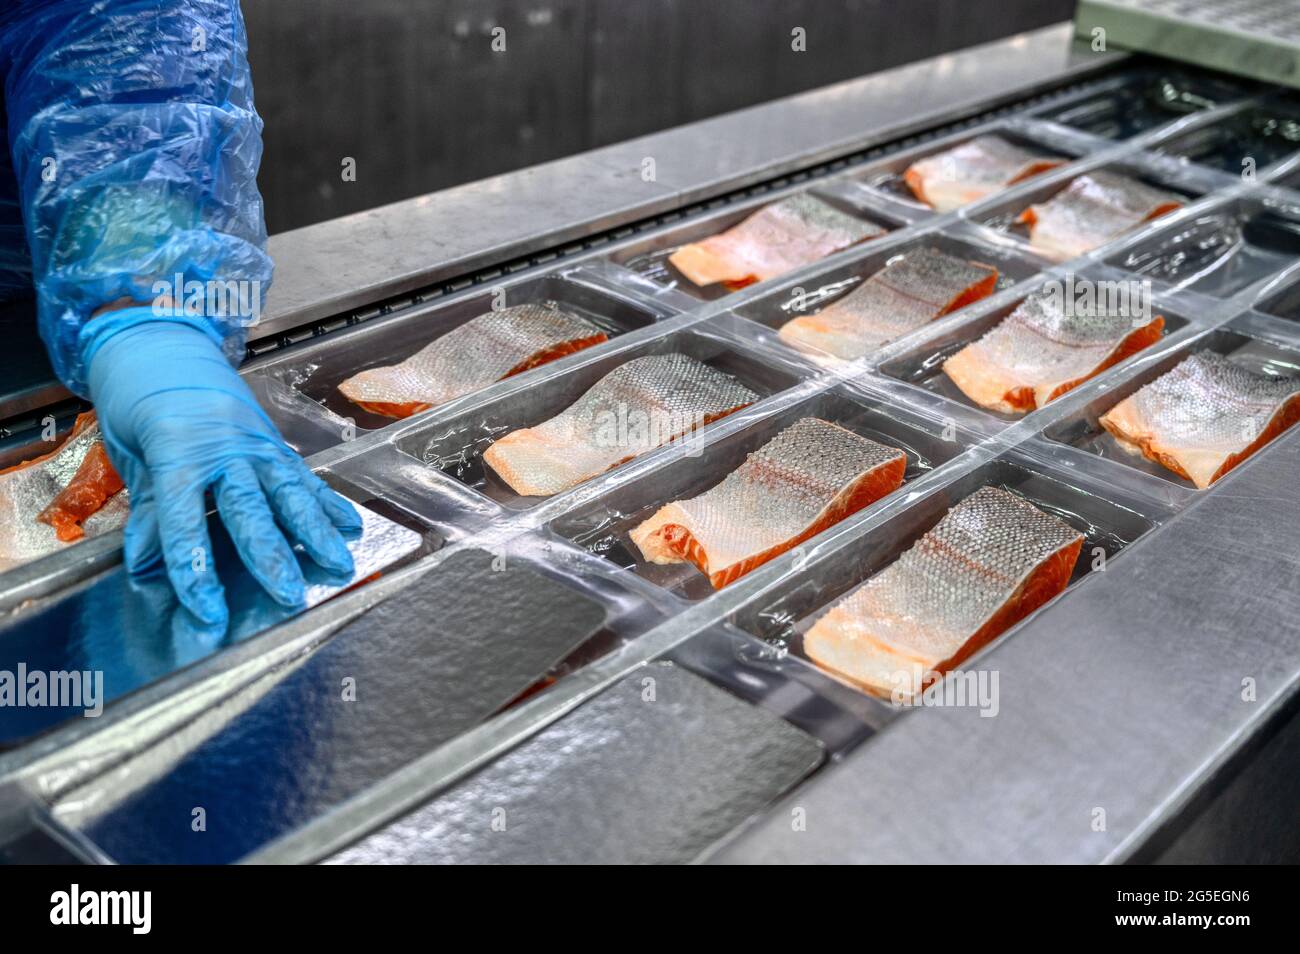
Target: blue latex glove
[{"x": 178, "y": 420}]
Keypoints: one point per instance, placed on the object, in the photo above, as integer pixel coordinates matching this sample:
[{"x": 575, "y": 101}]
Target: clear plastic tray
[
  {"x": 1282, "y": 300},
  {"x": 999, "y": 213},
  {"x": 921, "y": 365},
  {"x": 647, "y": 256},
  {"x": 1252, "y": 138},
  {"x": 438, "y": 502},
  {"x": 314, "y": 370},
  {"x": 1219, "y": 249},
  {"x": 1081, "y": 428},
  {"x": 15, "y": 450},
  {"x": 455, "y": 445},
  {"x": 1287, "y": 174},
  {"x": 791, "y": 298},
  {"x": 1145, "y": 99},
  {"x": 880, "y": 184},
  {"x": 602, "y": 525},
  {"x": 1109, "y": 523},
  {"x": 767, "y": 675}
]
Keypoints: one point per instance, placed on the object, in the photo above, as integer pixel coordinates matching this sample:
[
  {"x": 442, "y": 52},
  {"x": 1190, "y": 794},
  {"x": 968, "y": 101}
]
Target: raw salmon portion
[
  {"x": 810, "y": 476},
  {"x": 1091, "y": 211},
  {"x": 909, "y": 292},
  {"x": 991, "y": 561},
  {"x": 484, "y": 350},
  {"x": 60, "y": 496},
  {"x": 1205, "y": 416},
  {"x": 967, "y": 173},
  {"x": 775, "y": 239},
  {"x": 1039, "y": 352},
  {"x": 637, "y": 407},
  {"x": 92, "y": 485}
]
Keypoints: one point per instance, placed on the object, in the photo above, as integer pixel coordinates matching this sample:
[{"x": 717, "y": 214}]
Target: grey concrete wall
[{"x": 413, "y": 91}]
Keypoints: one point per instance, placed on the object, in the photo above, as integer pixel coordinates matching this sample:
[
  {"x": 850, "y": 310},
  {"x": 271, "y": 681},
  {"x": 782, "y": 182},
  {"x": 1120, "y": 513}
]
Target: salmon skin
[
  {"x": 972, "y": 171},
  {"x": 637, "y": 407},
  {"x": 810, "y": 476},
  {"x": 775, "y": 239},
  {"x": 1205, "y": 416},
  {"x": 1039, "y": 352},
  {"x": 1091, "y": 211},
  {"x": 484, "y": 350},
  {"x": 991, "y": 561},
  {"x": 908, "y": 293},
  {"x": 59, "y": 497}
]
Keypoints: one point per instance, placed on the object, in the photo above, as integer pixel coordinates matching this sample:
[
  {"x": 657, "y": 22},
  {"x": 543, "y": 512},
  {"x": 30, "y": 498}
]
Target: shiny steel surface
[
  {"x": 1258, "y": 38},
  {"x": 651, "y": 772},
  {"x": 132, "y": 630},
  {"x": 409, "y": 673}
]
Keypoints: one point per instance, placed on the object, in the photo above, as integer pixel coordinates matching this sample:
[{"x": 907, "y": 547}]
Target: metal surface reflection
[{"x": 132, "y": 630}]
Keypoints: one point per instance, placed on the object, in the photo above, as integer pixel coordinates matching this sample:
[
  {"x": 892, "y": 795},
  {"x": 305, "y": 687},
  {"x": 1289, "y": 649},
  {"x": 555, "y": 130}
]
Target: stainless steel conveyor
[{"x": 526, "y": 690}]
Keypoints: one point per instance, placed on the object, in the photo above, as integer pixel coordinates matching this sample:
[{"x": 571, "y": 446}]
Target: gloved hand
[{"x": 177, "y": 420}]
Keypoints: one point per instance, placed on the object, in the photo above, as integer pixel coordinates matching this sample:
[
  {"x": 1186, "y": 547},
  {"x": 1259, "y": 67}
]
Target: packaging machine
[{"x": 506, "y": 681}]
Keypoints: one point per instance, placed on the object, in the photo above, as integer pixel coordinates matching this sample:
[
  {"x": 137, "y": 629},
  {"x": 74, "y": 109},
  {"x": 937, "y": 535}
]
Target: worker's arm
[{"x": 136, "y": 146}]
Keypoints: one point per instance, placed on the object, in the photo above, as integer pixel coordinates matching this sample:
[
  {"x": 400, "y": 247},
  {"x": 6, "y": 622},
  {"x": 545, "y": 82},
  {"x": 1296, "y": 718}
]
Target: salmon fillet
[
  {"x": 1091, "y": 211},
  {"x": 1205, "y": 416},
  {"x": 94, "y": 482},
  {"x": 967, "y": 173},
  {"x": 774, "y": 240},
  {"x": 1038, "y": 352},
  {"x": 60, "y": 496},
  {"x": 908, "y": 293},
  {"x": 484, "y": 350},
  {"x": 637, "y": 407},
  {"x": 810, "y": 476},
  {"x": 991, "y": 561}
]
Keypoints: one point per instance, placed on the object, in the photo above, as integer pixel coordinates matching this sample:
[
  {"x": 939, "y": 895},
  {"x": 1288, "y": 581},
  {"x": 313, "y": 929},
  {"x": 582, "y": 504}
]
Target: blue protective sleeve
[{"x": 135, "y": 146}]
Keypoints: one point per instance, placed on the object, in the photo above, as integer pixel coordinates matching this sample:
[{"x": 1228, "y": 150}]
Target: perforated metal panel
[{"x": 1255, "y": 38}]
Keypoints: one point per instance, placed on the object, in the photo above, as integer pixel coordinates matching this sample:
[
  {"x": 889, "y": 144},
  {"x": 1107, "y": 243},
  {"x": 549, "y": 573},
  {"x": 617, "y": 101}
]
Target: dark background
[{"x": 413, "y": 92}]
